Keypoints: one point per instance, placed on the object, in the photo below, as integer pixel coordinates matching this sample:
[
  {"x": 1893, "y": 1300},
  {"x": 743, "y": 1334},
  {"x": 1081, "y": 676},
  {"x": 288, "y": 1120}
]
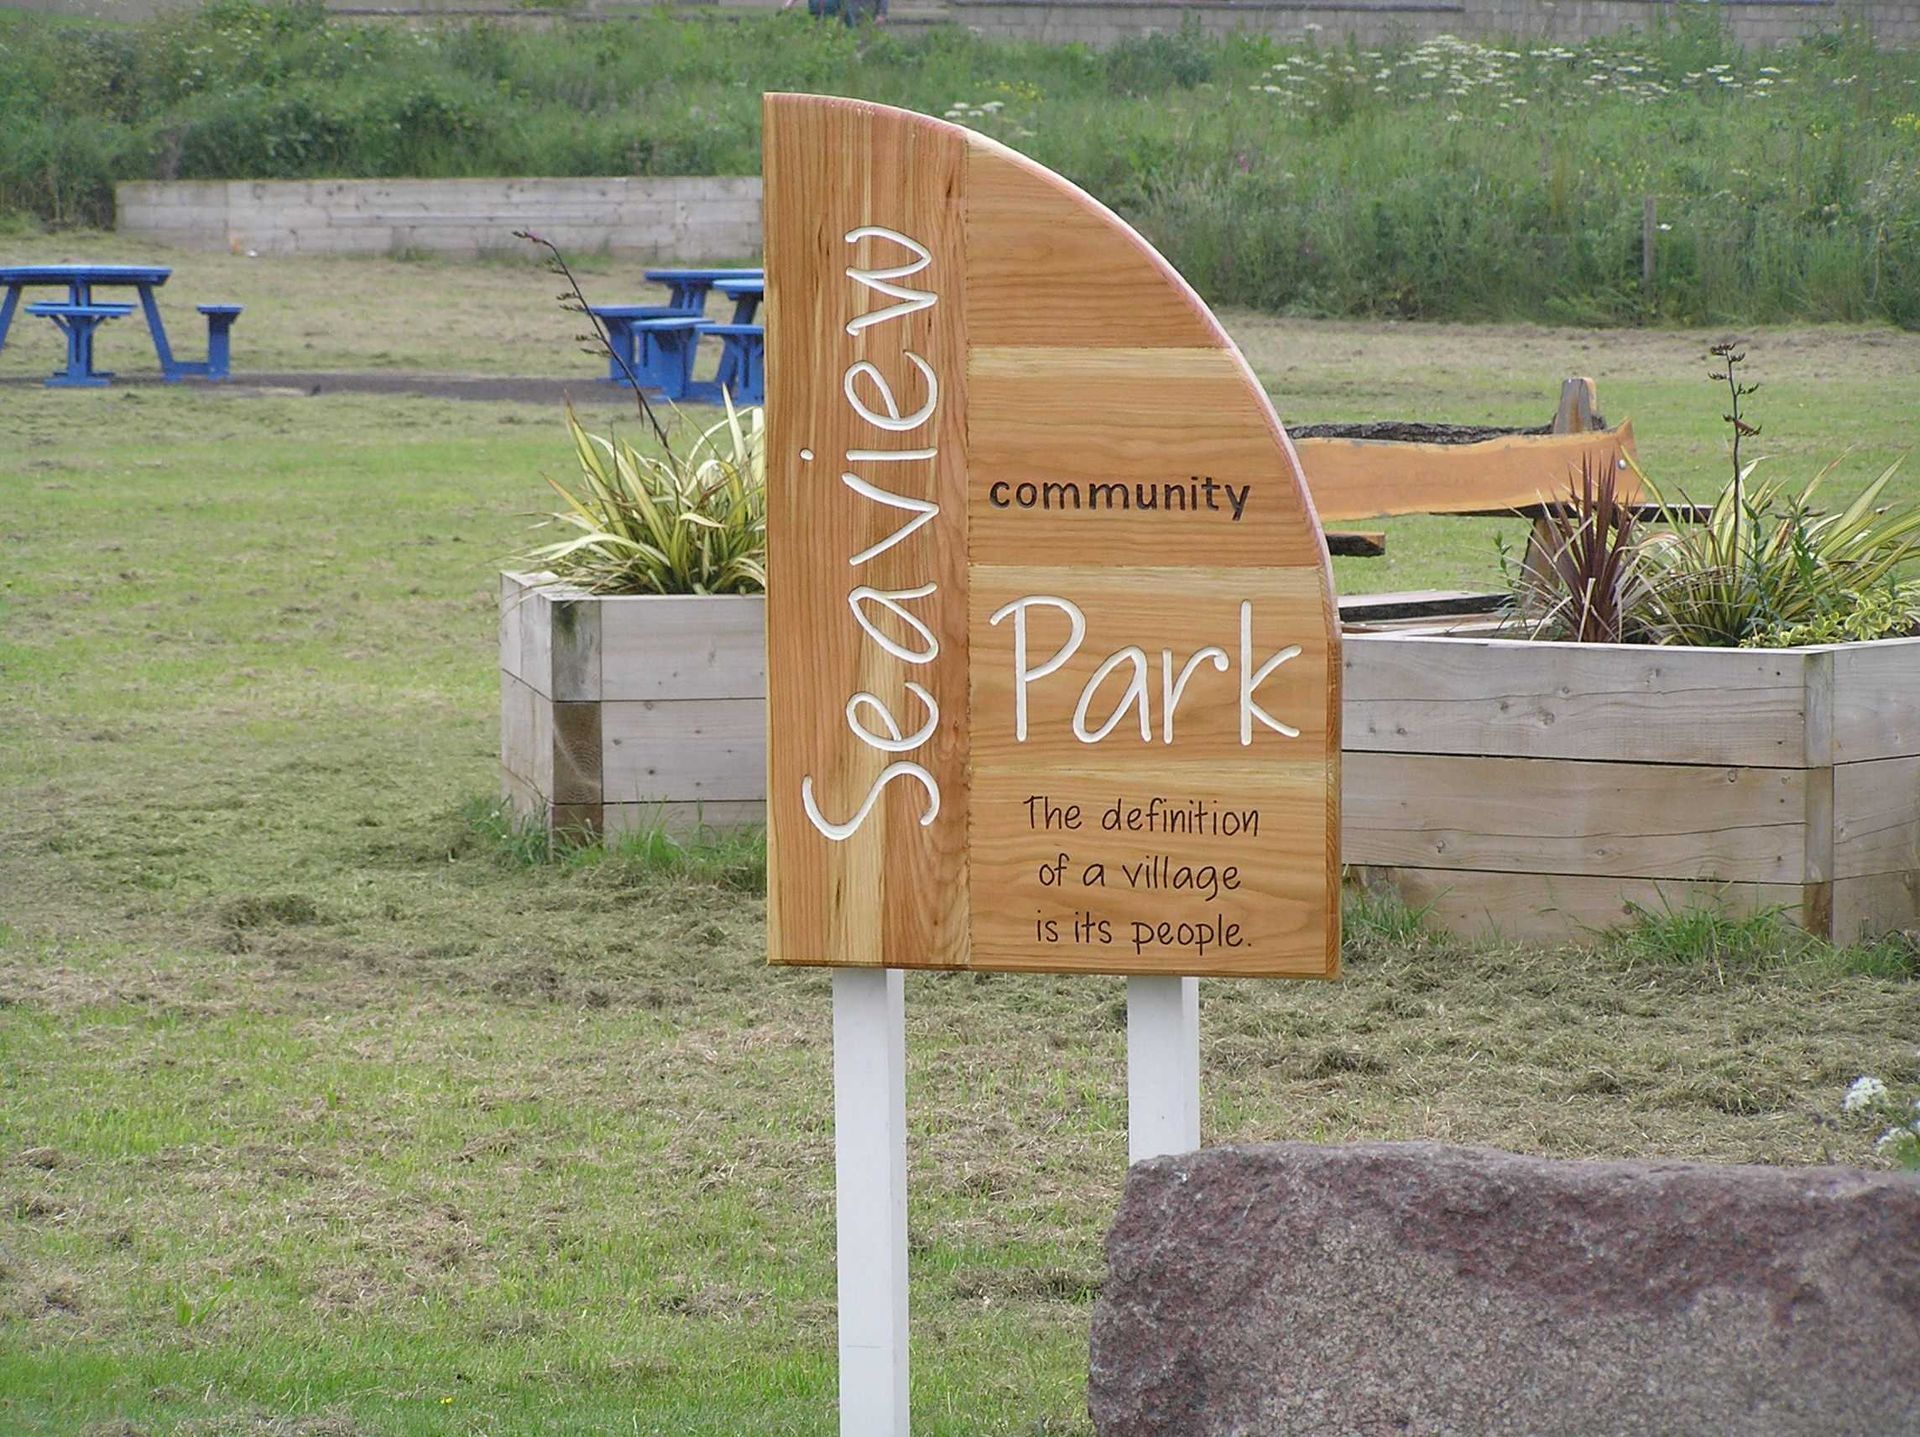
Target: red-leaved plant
[{"x": 1580, "y": 580}]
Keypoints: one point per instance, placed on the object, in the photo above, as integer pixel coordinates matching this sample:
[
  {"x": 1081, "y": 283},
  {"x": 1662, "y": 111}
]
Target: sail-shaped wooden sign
[{"x": 1052, "y": 645}]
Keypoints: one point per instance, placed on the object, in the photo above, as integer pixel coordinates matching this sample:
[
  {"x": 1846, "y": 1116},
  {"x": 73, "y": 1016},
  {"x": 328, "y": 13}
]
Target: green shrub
[
  {"x": 1771, "y": 569},
  {"x": 1444, "y": 179},
  {"x": 689, "y": 523}
]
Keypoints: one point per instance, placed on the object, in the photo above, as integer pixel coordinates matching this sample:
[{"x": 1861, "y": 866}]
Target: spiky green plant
[
  {"x": 1770, "y": 564},
  {"x": 688, "y": 523}
]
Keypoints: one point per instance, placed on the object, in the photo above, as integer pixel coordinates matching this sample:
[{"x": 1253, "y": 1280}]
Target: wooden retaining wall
[
  {"x": 692, "y": 219},
  {"x": 1540, "y": 789},
  {"x": 1529, "y": 790}
]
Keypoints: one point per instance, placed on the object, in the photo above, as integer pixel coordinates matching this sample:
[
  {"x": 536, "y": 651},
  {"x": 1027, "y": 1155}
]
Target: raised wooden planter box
[
  {"x": 1531, "y": 790},
  {"x": 632, "y": 713},
  {"x": 1539, "y": 790}
]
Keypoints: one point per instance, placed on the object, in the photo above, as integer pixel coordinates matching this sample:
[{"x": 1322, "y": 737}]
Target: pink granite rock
[{"x": 1413, "y": 1289}]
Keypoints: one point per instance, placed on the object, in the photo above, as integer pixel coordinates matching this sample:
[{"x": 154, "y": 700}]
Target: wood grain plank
[
  {"x": 1069, "y": 356},
  {"x": 1521, "y": 815},
  {"x": 526, "y": 742},
  {"x": 1095, "y": 436},
  {"x": 683, "y": 820},
  {"x": 683, "y": 647},
  {"x": 576, "y": 752},
  {"x": 894, "y": 891},
  {"x": 1045, "y": 272},
  {"x": 693, "y": 750},
  {"x": 1876, "y": 700},
  {"x": 1563, "y": 908},
  {"x": 1513, "y": 698},
  {"x": 575, "y": 646},
  {"x": 1185, "y": 623},
  {"x": 1876, "y": 817},
  {"x": 1874, "y": 904},
  {"x": 511, "y": 587},
  {"x": 1229, "y": 858}
]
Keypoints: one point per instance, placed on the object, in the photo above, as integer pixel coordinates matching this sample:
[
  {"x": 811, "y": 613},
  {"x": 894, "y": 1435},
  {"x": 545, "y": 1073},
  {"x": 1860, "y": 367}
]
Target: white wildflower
[{"x": 1864, "y": 1094}]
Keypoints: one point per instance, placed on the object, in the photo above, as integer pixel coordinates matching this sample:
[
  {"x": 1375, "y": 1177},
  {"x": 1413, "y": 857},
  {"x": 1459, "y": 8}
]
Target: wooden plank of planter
[
  {"x": 684, "y": 647},
  {"x": 683, "y": 820},
  {"x": 1876, "y": 817},
  {"x": 1514, "y": 698},
  {"x": 576, "y": 760},
  {"x": 1875, "y": 903},
  {"x": 524, "y": 801},
  {"x": 1876, "y": 699},
  {"x": 549, "y": 636},
  {"x": 1519, "y": 815},
  {"x": 1556, "y": 907},
  {"x": 692, "y": 750},
  {"x": 511, "y": 587},
  {"x": 526, "y": 735}
]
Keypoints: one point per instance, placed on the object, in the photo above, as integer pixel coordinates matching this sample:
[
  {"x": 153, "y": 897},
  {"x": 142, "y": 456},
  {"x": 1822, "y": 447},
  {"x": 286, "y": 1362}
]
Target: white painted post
[
  {"x": 870, "y": 1165},
  {"x": 1163, "y": 1066}
]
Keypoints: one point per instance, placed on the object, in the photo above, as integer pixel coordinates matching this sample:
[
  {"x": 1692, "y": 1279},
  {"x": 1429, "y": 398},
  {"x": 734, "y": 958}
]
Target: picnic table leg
[
  {"x": 219, "y": 345},
  {"x": 168, "y": 368},
  {"x": 620, "y": 358},
  {"x": 675, "y": 348},
  {"x": 7, "y": 307},
  {"x": 80, "y": 373}
]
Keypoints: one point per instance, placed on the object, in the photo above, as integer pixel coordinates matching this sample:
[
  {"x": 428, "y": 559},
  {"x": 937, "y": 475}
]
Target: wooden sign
[{"x": 1052, "y": 646}]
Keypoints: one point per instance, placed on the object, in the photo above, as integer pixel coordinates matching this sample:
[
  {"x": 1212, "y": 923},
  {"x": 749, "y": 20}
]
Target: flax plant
[
  {"x": 688, "y": 523},
  {"x": 1581, "y": 580},
  {"x": 1769, "y": 567}
]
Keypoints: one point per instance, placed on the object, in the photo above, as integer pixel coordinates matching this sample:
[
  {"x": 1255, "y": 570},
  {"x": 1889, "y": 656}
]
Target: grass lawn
[{"x": 324, "y": 1112}]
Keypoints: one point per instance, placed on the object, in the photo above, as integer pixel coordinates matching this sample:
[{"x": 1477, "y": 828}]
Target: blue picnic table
[
  {"x": 654, "y": 346},
  {"x": 746, "y": 295},
  {"x": 80, "y": 315},
  {"x": 687, "y": 288}
]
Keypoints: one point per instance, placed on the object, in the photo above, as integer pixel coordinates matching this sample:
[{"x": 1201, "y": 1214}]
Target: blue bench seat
[
  {"x": 220, "y": 318},
  {"x": 663, "y": 353},
  {"x": 78, "y": 322},
  {"x": 631, "y": 346}
]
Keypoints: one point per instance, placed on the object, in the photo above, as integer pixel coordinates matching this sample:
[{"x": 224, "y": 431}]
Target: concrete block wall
[
  {"x": 666, "y": 219},
  {"x": 1099, "y": 23}
]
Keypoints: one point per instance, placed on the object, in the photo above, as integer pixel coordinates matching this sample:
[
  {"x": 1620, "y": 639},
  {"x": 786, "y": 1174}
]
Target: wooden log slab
[{"x": 1365, "y": 478}]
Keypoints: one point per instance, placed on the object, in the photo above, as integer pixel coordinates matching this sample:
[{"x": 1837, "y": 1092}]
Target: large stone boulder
[{"x": 1410, "y": 1289}]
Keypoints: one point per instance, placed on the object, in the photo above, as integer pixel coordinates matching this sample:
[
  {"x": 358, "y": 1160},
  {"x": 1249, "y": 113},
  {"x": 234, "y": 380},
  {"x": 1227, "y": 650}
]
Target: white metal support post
[
  {"x": 870, "y": 1164},
  {"x": 1163, "y": 1066}
]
